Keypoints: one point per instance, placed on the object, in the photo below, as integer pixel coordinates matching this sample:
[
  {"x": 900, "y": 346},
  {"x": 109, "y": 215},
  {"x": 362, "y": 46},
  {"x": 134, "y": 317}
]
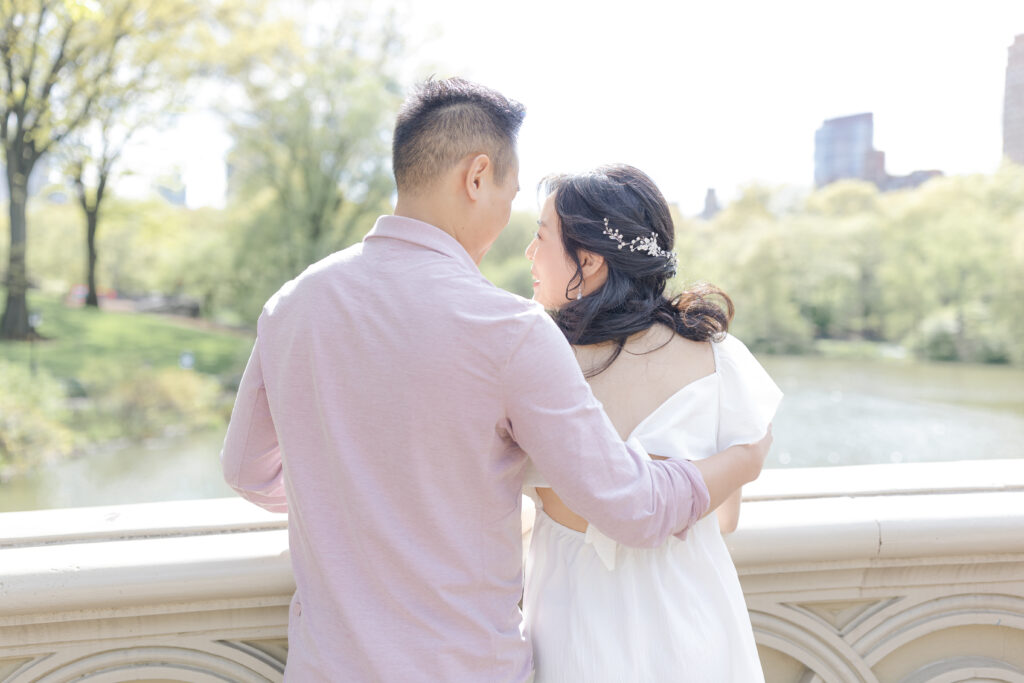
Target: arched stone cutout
[
  {"x": 824, "y": 654},
  {"x": 271, "y": 653},
  {"x": 842, "y": 616},
  {"x": 939, "y": 614},
  {"x": 11, "y": 669},
  {"x": 779, "y": 667},
  {"x": 155, "y": 662},
  {"x": 965, "y": 669}
]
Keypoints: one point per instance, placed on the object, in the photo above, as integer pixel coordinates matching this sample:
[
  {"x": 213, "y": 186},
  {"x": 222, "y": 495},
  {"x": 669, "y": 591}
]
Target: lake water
[
  {"x": 852, "y": 412},
  {"x": 836, "y": 412}
]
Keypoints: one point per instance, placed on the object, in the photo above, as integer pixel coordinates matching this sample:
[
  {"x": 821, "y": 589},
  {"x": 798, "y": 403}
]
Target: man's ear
[
  {"x": 478, "y": 167},
  {"x": 590, "y": 263}
]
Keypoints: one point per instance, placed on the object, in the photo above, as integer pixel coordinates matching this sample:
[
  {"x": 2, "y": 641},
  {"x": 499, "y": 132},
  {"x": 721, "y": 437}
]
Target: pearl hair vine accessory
[{"x": 648, "y": 244}]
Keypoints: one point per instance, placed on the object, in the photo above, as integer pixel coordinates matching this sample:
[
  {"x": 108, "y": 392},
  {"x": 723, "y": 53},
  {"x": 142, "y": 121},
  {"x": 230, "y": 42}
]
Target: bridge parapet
[{"x": 882, "y": 573}]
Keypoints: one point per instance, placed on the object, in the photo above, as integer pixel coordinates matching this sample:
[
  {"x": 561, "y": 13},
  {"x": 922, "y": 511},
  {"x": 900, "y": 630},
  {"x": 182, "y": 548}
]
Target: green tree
[
  {"x": 312, "y": 144},
  {"x": 749, "y": 251},
  {"x": 967, "y": 244},
  {"x": 61, "y": 62},
  {"x": 143, "y": 94},
  {"x": 838, "y": 235},
  {"x": 55, "y": 58},
  {"x": 89, "y": 167}
]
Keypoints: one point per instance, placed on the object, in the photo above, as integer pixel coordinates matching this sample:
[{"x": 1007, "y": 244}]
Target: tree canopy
[{"x": 63, "y": 62}]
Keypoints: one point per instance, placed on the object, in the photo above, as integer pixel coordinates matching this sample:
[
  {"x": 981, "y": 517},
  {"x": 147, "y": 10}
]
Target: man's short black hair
[{"x": 442, "y": 121}]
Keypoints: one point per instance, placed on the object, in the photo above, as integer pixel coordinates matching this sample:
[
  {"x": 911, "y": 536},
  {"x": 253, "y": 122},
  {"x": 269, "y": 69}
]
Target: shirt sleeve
[
  {"x": 251, "y": 458},
  {"x": 556, "y": 420}
]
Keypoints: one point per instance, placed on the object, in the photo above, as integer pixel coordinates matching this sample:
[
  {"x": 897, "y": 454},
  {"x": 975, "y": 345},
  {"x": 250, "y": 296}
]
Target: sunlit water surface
[{"x": 836, "y": 412}]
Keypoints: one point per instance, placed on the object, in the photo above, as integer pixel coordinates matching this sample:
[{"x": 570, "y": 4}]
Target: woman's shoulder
[
  {"x": 655, "y": 363},
  {"x": 667, "y": 346},
  {"x": 691, "y": 353}
]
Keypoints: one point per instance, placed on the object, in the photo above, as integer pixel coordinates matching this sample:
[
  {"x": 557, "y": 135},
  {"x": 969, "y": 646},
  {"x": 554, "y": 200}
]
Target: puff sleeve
[{"x": 748, "y": 398}]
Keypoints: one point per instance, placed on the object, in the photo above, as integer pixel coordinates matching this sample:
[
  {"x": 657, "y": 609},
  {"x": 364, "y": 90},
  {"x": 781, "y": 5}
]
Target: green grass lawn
[{"x": 79, "y": 338}]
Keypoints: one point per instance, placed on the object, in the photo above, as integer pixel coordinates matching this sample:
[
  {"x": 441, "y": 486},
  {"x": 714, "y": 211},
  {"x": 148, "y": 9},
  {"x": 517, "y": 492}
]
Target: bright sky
[
  {"x": 721, "y": 93},
  {"x": 717, "y": 93}
]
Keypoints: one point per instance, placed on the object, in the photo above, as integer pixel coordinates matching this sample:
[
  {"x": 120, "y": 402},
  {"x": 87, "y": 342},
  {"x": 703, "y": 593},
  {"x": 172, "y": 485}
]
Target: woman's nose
[{"x": 530, "y": 248}]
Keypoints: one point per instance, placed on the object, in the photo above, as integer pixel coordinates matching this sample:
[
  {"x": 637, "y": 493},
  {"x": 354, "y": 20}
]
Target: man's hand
[
  {"x": 725, "y": 472},
  {"x": 756, "y": 453}
]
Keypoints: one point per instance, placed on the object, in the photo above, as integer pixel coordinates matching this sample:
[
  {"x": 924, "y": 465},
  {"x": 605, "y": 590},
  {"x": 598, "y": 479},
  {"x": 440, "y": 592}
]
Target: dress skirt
[{"x": 671, "y": 613}]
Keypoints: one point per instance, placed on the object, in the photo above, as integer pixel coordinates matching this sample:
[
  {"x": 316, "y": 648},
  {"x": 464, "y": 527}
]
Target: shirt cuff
[{"x": 701, "y": 499}]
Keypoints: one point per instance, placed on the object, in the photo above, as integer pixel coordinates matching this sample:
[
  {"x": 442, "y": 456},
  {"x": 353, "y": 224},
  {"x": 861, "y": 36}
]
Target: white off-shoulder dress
[{"x": 599, "y": 611}]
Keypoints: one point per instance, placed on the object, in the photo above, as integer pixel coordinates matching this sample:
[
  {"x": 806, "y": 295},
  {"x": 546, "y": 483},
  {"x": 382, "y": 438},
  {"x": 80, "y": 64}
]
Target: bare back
[{"x": 652, "y": 367}]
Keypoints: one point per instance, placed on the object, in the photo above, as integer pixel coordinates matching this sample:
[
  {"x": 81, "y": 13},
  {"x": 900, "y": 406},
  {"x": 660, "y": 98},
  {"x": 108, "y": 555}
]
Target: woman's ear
[
  {"x": 591, "y": 264},
  {"x": 478, "y": 166}
]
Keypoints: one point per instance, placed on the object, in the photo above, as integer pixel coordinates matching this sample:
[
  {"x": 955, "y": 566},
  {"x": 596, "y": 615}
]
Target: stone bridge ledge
[{"x": 879, "y": 573}]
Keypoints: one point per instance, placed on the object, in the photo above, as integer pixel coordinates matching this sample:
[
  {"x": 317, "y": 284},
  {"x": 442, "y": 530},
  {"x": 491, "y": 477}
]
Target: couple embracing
[{"x": 397, "y": 405}]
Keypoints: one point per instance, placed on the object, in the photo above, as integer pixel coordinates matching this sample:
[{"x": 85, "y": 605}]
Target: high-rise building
[
  {"x": 711, "y": 205},
  {"x": 844, "y": 148},
  {"x": 1013, "y": 103}
]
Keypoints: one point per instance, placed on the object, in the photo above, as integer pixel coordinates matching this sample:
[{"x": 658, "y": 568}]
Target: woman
[{"x": 670, "y": 377}]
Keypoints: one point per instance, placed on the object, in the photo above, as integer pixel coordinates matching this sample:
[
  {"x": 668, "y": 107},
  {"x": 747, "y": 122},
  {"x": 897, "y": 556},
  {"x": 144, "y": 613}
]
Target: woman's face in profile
[{"x": 552, "y": 268}]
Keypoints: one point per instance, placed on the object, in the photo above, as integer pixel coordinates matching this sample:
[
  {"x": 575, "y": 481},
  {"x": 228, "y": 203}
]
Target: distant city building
[
  {"x": 711, "y": 205},
  {"x": 1013, "y": 103},
  {"x": 172, "y": 188},
  {"x": 844, "y": 149}
]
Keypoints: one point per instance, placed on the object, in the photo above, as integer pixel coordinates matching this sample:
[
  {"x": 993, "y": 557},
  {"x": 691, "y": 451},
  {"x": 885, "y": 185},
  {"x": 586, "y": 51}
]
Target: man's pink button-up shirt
[{"x": 390, "y": 404}]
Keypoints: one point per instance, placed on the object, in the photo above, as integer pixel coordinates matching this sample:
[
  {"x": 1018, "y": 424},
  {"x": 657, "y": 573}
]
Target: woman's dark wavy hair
[{"x": 633, "y": 298}]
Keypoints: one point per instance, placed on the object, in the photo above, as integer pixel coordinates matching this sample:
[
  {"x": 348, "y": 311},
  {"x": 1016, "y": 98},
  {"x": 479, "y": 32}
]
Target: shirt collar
[{"x": 421, "y": 234}]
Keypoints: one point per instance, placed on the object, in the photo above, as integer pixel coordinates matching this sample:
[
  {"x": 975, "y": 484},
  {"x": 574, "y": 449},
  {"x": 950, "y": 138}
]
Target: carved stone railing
[
  {"x": 891, "y": 573},
  {"x": 887, "y": 573},
  {"x": 189, "y": 591}
]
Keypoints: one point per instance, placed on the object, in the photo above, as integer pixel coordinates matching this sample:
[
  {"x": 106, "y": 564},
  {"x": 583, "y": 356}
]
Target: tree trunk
[
  {"x": 91, "y": 299},
  {"x": 14, "y": 324}
]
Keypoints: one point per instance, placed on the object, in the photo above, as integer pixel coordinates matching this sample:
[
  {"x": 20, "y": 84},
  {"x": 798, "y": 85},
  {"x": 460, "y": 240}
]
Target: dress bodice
[{"x": 732, "y": 405}]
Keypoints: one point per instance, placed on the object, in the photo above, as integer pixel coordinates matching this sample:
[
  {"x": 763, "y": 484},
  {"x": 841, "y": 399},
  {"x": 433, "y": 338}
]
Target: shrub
[
  {"x": 144, "y": 401},
  {"x": 31, "y": 430},
  {"x": 972, "y": 335}
]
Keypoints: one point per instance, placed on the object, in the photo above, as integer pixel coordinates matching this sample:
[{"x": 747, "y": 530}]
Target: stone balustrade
[
  {"x": 886, "y": 573},
  {"x": 891, "y": 573}
]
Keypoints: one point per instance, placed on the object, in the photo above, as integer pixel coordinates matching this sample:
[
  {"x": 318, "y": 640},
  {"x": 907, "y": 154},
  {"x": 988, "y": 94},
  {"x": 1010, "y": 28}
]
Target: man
[{"x": 389, "y": 406}]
